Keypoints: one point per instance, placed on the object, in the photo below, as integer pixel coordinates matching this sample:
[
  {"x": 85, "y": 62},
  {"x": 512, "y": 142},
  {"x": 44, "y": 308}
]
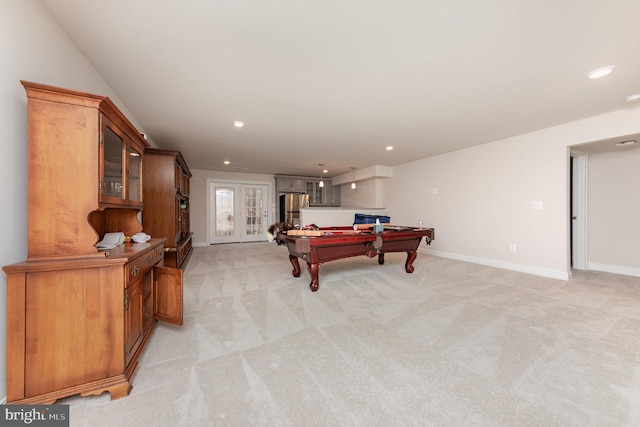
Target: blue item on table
[{"x": 371, "y": 219}]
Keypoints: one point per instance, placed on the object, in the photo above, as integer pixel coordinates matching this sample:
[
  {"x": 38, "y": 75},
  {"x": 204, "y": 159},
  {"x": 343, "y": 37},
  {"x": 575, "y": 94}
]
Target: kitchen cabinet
[
  {"x": 315, "y": 192},
  {"x": 290, "y": 185},
  {"x": 318, "y": 196},
  {"x": 79, "y": 318},
  {"x": 328, "y": 195},
  {"x": 333, "y": 194}
]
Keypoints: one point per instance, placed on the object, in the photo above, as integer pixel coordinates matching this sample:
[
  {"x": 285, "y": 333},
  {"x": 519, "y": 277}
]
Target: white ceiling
[{"x": 335, "y": 82}]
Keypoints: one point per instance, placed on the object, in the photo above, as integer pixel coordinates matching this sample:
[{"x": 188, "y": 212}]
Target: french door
[{"x": 237, "y": 212}]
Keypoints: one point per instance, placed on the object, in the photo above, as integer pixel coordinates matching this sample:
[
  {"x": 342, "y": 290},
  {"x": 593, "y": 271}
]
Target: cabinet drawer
[
  {"x": 138, "y": 267},
  {"x": 159, "y": 253},
  {"x": 184, "y": 250}
]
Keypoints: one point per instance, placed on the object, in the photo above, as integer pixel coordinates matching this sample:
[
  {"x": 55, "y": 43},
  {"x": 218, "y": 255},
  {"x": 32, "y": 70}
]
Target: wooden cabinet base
[
  {"x": 71, "y": 321},
  {"x": 117, "y": 387}
]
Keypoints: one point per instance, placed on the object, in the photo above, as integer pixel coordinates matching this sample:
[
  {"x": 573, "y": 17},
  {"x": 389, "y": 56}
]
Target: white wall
[
  {"x": 34, "y": 48},
  {"x": 484, "y": 196},
  {"x": 613, "y": 212},
  {"x": 367, "y": 194},
  {"x": 484, "y": 193}
]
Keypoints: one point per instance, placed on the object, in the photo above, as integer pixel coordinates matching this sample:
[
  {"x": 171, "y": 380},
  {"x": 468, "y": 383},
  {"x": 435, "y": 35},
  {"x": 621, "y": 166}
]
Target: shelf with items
[
  {"x": 166, "y": 197},
  {"x": 79, "y": 148},
  {"x": 121, "y": 157}
]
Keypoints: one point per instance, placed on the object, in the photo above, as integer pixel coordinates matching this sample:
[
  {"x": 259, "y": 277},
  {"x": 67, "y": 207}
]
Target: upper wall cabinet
[
  {"x": 290, "y": 185},
  {"x": 318, "y": 196},
  {"x": 328, "y": 195},
  {"x": 85, "y": 169},
  {"x": 121, "y": 161}
]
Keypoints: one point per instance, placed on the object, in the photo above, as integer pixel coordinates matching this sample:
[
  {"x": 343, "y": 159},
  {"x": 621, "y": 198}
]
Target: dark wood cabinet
[
  {"x": 78, "y": 319},
  {"x": 166, "y": 213}
]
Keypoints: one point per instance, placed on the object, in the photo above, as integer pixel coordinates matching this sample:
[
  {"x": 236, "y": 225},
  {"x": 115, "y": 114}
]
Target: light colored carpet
[{"x": 453, "y": 344}]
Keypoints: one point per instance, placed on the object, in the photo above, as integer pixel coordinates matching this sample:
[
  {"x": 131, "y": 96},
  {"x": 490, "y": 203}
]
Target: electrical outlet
[
  {"x": 513, "y": 247},
  {"x": 536, "y": 205},
  {"x": 434, "y": 190}
]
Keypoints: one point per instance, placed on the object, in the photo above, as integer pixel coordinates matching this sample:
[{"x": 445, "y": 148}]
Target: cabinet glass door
[
  {"x": 112, "y": 164},
  {"x": 255, "y": 212},
  {"x": 315, "y": 192},
  {"x": 134, "y": 172}
]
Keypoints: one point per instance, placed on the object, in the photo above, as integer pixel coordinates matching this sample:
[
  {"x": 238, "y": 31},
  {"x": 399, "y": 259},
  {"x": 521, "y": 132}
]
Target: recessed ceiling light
[
  {"x": 389, "y": 147},
  {"x": 601, "y": 72},
  {"x": 625, "y": 143},
  {"x": 238, "y": 124},
  {"x": 227, "y": 162},
  {"x": 633, "y": 98}
]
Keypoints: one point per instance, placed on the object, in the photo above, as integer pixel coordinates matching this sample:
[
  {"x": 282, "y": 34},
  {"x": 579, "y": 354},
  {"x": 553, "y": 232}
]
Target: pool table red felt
[{"x": 344, "y": 242}]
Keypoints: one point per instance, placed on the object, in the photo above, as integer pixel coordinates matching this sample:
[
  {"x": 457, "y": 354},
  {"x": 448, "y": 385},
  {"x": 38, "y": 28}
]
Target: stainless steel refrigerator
[{"x": 290, "y": 205}]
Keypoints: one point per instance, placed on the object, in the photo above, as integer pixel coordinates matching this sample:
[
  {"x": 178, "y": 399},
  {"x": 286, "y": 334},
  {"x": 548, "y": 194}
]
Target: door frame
[
  {"x": 269, "y": 201},
  {"x": 578, "y": 210}
]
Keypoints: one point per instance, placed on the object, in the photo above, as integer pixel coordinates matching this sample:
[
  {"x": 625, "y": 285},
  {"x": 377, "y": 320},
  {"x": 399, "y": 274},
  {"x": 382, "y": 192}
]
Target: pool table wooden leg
[
  {"x": 411, "y": 256},
  {"x": 296, "y": 266},
  {"x": 381, "y": 258},
  {"x": 313, "y": 270}
]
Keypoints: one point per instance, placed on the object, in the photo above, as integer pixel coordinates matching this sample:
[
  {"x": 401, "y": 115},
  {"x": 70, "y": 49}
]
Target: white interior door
[{"x": 237, "y": 212}]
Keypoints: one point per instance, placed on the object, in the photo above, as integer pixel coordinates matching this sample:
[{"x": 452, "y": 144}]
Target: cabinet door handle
[
  {"x": 134, "y": 272},
  {"x": 150, "y": 259}
]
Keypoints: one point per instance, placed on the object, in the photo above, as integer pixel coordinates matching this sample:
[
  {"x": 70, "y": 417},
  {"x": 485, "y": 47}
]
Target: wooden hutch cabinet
[
  {"x": 78, "y": 318},
  {"x": 166, "y": 200}
]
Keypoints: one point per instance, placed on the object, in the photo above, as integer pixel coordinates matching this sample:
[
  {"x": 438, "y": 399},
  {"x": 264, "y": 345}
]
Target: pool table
[{"x": 332, "y": 243}]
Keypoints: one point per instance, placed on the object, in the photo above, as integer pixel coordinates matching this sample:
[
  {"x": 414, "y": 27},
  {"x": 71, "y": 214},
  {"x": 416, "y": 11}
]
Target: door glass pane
[
  {"x": 253, "y": 202},
  {"x": 135, "y": 171},
  {"x": 225, "y": 213},
  {"x": 113, "y": 146}
]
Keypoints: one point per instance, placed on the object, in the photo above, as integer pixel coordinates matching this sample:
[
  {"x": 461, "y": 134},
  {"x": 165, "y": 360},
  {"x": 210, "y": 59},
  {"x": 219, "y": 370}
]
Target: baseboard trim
[
  {"x": 522, "y": 268},
  {"x": 616, "y": 269}
]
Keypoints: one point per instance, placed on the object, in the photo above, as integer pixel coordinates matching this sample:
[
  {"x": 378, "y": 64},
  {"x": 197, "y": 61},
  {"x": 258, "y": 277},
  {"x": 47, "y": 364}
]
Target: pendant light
[
  {"x": 321, "y": 185},
  {"x": 353, "y": 177}
]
